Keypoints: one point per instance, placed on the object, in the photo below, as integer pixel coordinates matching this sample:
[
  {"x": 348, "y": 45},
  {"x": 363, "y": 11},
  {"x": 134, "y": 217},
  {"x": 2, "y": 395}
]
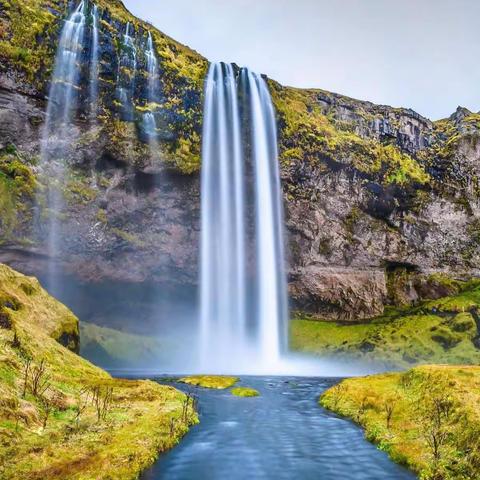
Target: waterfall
[
  {"x": 62, "y": 95},
  {"x": 127, "y": 68},
  {"x": 149, "y": 123},
  {"x": 272, "y": 284},
  {"x": 58, "y": 133},
  {"x": 94, "y": 64},
  {"x": 243, "y": 315}
]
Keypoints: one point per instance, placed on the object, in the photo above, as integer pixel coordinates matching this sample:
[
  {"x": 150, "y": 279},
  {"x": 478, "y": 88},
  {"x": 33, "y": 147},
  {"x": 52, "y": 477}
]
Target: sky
[{"x": 420, "y": 54}]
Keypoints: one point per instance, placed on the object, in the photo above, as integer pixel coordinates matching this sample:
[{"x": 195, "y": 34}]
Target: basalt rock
[{"x": 369, "y": 190}]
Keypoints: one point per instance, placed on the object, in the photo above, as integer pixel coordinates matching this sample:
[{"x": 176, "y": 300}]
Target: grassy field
[
  {"x": 60, "y": 416},
  {"x": 427, "y": 418},
  {"x": 437, "y": 331}
]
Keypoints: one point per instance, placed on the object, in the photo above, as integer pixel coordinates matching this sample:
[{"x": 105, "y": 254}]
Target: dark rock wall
[{"x": 368, "y": 189}]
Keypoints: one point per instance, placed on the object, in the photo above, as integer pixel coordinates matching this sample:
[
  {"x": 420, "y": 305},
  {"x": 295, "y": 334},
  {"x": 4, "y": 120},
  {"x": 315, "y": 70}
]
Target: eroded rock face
[
  {"x": 368, "y": 189},
  {"x": 335, "y": 293}
]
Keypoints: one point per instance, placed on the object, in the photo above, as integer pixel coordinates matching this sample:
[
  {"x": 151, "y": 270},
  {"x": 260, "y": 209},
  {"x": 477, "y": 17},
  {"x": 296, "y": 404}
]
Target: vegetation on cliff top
[
  {"x": 427, "y": 418},
  {"x": 313, "y": 136},
  {"x": 60, "y": 416},
  {"x": 446, "y": 330}
]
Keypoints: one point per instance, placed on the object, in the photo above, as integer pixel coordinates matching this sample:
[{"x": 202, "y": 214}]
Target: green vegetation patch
[
  {"x": 244, "y": 392},
  {"x": 219, "y": 382},
  {"x": 427, "y": 418},
  {"x": 17, "y": 189},
  {"x": 112, "y": 348},
  {"x": 60, "y": 416},
  {"x": 437, "y": 331},
  {"x": 316, "y": 134}
]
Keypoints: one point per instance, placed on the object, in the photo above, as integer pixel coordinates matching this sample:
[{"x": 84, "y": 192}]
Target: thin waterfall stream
[{"x": 57, "y": 133}]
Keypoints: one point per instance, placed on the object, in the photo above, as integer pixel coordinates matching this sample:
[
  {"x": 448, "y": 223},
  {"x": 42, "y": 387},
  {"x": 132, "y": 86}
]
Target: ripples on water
[{"x": 283, "y": 434}]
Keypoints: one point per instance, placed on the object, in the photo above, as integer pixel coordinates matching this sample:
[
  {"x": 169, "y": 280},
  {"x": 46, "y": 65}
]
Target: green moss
[
  {"x": 316, "y": 135},
  {"x": 210, "y": 381},
  {"x": 17, "y": 189},
  {"x": 437, "y": 331},
  {"x": 130, "y": 238},
  {"x": 408, "y": 414},
  {"x": 112, "y": 348},
  {"x": 27, "y": 22},
  {"x": 244, "y": 392}
]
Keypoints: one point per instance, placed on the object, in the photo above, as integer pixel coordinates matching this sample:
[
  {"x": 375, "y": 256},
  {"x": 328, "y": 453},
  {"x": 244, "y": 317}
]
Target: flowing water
[
  {"x": 94, "y": 64},
  {"x": 127, "y": 69},
  {"x": 282, "y": 434},
  {"x": 243, "y": 300},
  {"x": 57, "y": 134},
  {"x": 149, "y": 124}
]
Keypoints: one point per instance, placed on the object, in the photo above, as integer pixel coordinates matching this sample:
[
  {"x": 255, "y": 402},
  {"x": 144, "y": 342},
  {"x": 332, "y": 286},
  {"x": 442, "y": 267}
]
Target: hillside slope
[
  {"x": 60, "y": 416},
  {"x": 427, "y": 418}
]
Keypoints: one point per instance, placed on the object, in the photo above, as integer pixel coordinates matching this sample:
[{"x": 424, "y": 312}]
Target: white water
[
  {"x": 149, "y": 123},
  {"x": 94, "y": 64},
  {"x": 126, "y": 81},
  {"x": 57, "y": 134},
  {"x": 243, "y": 301}
]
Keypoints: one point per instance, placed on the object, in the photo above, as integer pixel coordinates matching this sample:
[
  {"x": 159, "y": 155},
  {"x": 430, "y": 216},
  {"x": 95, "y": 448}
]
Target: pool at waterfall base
[{"x": 281, "y": 434}]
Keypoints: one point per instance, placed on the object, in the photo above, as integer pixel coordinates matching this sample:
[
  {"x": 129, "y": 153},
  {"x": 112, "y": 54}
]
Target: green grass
[
  {"x": 143, "y": 419},
  {"x": 244, "y": 392},
  {"x": 210, "y": 381},
  {"x": 438, "y": 331},
  {"x": 427, "y": 418},
  {"x": 112, "y": 348}
]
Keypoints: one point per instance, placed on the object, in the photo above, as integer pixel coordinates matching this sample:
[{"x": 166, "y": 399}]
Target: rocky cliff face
[{"x": 377, "y": 198}]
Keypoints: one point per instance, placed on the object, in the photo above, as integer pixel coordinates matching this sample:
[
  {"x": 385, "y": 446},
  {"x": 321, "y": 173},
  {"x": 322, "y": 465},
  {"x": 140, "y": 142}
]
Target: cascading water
[
  {"x": 243, "y": 320},
  {"x": 57, "y": 134},
  {"x": 94, "y": 63},
  {"x": 272, "y": 284},
  {"x": 127, "y": 69},
  {"x": 149, "y": 123}
]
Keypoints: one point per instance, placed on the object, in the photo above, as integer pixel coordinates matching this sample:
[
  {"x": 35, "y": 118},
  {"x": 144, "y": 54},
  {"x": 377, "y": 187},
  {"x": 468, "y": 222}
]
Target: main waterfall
[{"x": 243, "y": 296}]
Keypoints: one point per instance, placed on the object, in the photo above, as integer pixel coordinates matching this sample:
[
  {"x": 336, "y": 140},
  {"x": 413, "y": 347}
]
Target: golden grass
[
  {"x": 425, "y": 402},
  {"x": 244, "y": 392},
  {"x": 210, "y": 381}
]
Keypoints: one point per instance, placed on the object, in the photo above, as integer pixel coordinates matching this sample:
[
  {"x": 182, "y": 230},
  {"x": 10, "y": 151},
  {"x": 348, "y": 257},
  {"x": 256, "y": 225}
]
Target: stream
[{"x": 282, "y": 434}]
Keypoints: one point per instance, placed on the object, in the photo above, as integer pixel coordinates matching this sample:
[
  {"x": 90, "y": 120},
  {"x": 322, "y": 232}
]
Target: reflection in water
[{"x": 283, "y": 434}]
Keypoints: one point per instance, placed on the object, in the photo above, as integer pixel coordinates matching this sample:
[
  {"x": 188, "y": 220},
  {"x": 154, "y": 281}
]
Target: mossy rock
[
  {"x": 218, "y": 382},
  {"x": 244, "y": 392}
]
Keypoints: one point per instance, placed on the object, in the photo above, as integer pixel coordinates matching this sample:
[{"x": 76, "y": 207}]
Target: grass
[
  {"x": 427, "y": 418},
  {"x": 437, "y": 331},
  {"x": 58, "y": 433},
  {"x": 112, "y": 348},
  {"x": 244, "y": 392},
  {"x": 210, "y": 381}
]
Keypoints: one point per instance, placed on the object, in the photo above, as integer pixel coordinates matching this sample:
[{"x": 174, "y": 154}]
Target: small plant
[
  {"x": 39, "y": 379},
  {"x": 26, "y": 372},
  {"x": 389, "y": 408},
  {"x": 81, "y": 405},
  {"x": 102, "y": 399}
]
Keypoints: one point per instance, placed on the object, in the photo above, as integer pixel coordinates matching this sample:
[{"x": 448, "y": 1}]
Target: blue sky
[{"x": 421, "y": 54}]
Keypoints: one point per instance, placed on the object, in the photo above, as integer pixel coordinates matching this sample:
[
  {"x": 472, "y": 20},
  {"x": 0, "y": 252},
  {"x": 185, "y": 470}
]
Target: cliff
[{"x": 377, "y": 198}]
